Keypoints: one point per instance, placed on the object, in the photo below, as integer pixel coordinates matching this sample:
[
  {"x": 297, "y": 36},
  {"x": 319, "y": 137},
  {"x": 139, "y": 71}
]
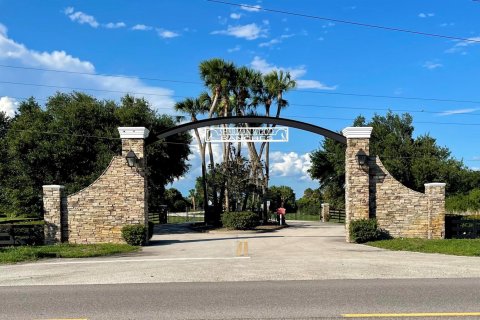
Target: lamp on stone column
[
  {"x": 362, "y": 158},
  {"x": 131, "y": 158}
]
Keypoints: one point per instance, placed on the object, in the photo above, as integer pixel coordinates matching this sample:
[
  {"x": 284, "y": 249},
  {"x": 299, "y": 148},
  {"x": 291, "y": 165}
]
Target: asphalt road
[{"x": 317, "y": 299}]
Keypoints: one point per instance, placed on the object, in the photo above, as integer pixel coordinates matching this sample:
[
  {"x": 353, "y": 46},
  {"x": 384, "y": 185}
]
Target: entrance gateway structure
[{"x": 118, "y": 197}]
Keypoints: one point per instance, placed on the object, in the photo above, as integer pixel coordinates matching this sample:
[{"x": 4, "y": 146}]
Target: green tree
[
  {"x": 282, "y": 196},
  {"x": 311, "y": 202},
  {"x": 72, "y": 141},
  {"x": 412, "y": 161},
  {"x": 174, "y": 200}
]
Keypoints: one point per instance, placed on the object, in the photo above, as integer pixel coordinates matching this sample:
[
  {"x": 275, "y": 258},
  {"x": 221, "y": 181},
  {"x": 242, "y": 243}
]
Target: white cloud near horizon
[
  {"x": 263, "y": 66},
  {"x": 249, "y": 31},
  {"x": 8, "y": 106},
  {"x": 290, "y": 164},
  {"x": 458, "y": 111},
  {"x": 106, "y": 87},
  {"x": 235, "y": 16}
]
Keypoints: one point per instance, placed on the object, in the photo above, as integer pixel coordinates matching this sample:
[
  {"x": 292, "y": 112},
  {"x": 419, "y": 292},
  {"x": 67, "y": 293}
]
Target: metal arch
[{"x": 251, "y": 119}]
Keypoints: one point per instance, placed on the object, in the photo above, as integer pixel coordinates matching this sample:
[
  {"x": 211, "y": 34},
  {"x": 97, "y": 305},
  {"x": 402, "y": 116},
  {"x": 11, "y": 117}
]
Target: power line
[
  {"x": 361, "y": 24},
  {"x": 199, "y": 83}
]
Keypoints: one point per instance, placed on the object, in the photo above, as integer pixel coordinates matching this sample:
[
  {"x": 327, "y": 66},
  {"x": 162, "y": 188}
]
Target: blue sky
[{"x": 166, "y": 40}]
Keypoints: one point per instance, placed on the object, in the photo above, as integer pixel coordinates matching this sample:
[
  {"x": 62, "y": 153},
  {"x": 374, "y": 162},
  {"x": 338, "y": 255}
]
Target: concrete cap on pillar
[
  {"x": 133, "y": 132},
  {"x": 53, "y": 186},
  {"x": 435, "y": 184},
  {"x": 357, "y": 132}
]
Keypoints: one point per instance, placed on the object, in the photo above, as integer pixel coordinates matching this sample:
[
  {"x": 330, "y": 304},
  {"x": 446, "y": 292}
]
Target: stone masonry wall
[
  {"x": 53, "y": 196},
  {"x": 97, "y": 213},
  {"x": 402, "y": 211}
]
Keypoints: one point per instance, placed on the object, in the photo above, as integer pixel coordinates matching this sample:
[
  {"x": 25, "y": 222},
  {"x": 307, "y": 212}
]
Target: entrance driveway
[{"x": 304, "y": 251}]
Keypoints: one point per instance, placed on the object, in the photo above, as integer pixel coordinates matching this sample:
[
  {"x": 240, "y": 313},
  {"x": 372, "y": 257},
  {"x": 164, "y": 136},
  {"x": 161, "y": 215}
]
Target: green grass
[
  {"x": 175, "y": 219},
  {"x": 32, "y": 253},
  {"x": 458, "y": 247},
  {"x": 6, "y": 220}
]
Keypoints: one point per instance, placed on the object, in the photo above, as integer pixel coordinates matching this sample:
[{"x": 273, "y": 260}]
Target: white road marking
[{"x": 126, "y": 260}]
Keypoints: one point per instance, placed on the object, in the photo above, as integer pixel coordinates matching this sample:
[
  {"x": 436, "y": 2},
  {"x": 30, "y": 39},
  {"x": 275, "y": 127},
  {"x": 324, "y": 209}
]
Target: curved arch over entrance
[{"x": 252, "y": 119}]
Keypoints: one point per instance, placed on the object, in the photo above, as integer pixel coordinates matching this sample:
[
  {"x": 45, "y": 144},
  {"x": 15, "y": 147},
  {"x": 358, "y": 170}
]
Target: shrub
[
  {"x": 240, "y": 220},
  {"x": 134, "y": 234},
  {"x": 364, "y": 230}
]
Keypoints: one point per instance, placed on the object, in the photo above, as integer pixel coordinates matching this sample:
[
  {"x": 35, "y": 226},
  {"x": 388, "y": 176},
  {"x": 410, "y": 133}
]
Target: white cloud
[
  {"x": 167, "y": 34},
  {"x": 458, "y": 111},
  {"x": 460, "y": 46},
  {"x": 235, "y": 16},
  {"x": 249, "y": 31},
  {"x": 432, "y": 65},
  {"x": 290, "y": 164},
  {"x": 8, "y": 106},
  {"x": 426, "y": 15},
  {"x": 447, "y": 24},
  {"x": 115, "y": 25},
  {"x": 80, "y": 17},
  {"x": 250, "y": 8},
  {"x": 313, "y": 84},
  {"x": 3, "y": 29},
  {"x": 141, "y": 27},
  {"x": 264, "y": 67},
  {"x": 269, "y": 43},
  {"x": 234, "y": 49},
  {"x": 105, "y": 87}
]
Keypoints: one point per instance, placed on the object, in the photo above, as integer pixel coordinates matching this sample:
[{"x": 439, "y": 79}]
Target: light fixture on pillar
[
  {"x": 131, "y": 158},
  {"x": 362, "y": 158}
]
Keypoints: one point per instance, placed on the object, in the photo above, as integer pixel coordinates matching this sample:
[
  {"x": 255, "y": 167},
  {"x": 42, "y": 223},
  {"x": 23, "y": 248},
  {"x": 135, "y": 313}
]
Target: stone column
[
  {"x": 357, "y": 177},
  {"x": 435, "y": 193},
  {"x": 325, "y": 212},
  {"x": 133, "y": 138},
  {"x": 53, "y": 196}
]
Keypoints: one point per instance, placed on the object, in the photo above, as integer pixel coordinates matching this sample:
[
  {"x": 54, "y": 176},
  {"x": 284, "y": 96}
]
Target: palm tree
[
  {"x": 193, "y": 107},
  {"x": 276, "y": 83}
]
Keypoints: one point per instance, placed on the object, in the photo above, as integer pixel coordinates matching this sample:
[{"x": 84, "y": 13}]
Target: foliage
[
  {"x": 310, "y": 203},
  {"x": 459, "y": 247},
  {"x": 469, "y": 202},
  {"x": 32, "y": 253},
  {"x": 134, "y": 234},
  {"x": 282, "y": 196},
  {"x": 240, "y": 220},
  {"x": 412, "y": 161},
  {"x": 72, "y": 140},
  {"x": 174, "y": 200},
  {"x": 364, "y": 230}
]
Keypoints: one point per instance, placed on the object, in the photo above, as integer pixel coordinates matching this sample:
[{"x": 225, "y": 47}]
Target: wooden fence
[
  {"x": 21, "y": 234},
  {"x": 337, "y": 215},
  {"x": 458, "y": 228}
]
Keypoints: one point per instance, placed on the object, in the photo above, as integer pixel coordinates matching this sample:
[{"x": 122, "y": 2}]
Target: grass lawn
[
  {"x": 458, "y": 247},
  {"x": 6, "y": 220},
  {"x": 176, "y": 219},
  {"x": 32, "y": 253}
]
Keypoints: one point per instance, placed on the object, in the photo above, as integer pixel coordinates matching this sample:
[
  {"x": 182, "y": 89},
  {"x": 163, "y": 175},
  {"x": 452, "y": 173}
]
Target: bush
[
  {"x": 364, "y": 230},
  {"x": 240, "y": 220},
  {"x": 135, "y": 234}
]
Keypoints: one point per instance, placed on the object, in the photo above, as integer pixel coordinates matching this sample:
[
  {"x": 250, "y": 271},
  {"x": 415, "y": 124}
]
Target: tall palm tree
[
  {"x": 193, "y": 107},
  {"x": 276, "y": 83}
]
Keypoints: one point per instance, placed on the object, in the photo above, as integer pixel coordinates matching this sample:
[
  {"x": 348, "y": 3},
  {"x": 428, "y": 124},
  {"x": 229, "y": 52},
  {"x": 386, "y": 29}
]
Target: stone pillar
[
  {"x": 357, "y": 177},
  {"x": 53, "y": 201},
  {"x": 133, "y": 138},
  {"x": 435, "y": 193},
  {"x": 325, "y": 212}
]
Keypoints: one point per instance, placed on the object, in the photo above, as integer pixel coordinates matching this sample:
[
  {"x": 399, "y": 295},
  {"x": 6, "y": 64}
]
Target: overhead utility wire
[
  {"x": 361, "y": 24},
  {"x": 200, "y": 83}
]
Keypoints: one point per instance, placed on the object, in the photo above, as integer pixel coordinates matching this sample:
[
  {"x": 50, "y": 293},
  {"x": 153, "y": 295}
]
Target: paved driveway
[{"x": 305, "y": 250}]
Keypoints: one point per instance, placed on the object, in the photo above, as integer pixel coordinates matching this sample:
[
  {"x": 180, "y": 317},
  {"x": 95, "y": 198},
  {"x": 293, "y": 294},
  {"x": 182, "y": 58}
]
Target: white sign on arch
[{"x": 238, "y": 134}]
